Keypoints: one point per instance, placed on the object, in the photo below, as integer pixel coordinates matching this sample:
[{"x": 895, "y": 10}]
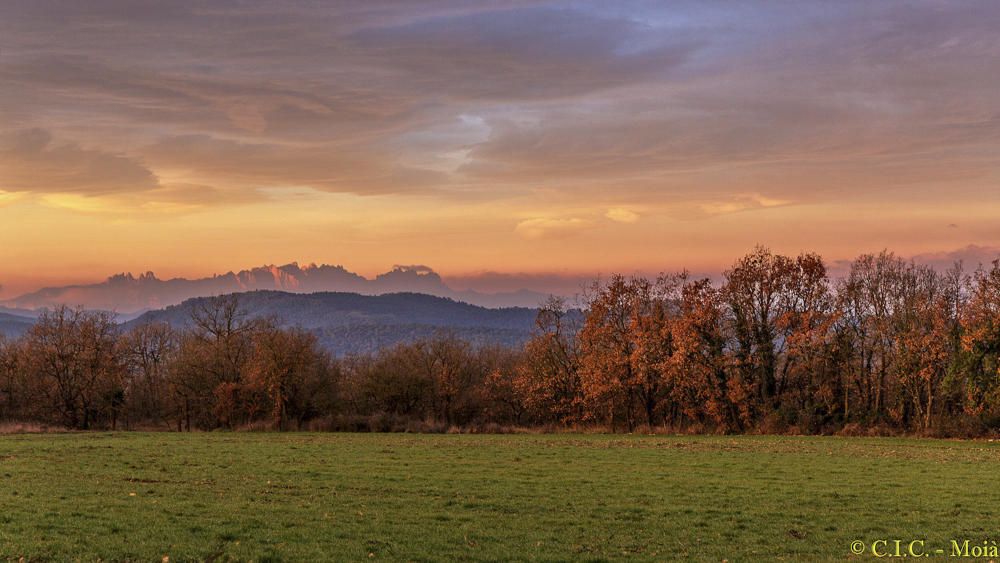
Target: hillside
[
  {"x": 13, "y": 326},
  {"x": 348, "y": 323}
]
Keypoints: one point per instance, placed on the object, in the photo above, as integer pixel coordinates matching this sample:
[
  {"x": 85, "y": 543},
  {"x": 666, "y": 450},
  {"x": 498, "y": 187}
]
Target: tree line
[{"x": 776, "y": 346}]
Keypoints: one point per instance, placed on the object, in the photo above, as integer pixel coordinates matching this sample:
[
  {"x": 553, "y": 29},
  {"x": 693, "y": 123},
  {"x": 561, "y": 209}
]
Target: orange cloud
[
  {"x": 622, "y": 215},
  {"x": 742, "y": 202},
  {"x": 549, "y": 228}
]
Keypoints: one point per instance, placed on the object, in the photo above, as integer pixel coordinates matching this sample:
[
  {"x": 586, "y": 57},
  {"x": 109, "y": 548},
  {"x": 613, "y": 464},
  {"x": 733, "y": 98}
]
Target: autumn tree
[
  {"x": 624, "y": 341},
  {"x": 502, "y": 401},
  {"x": 869, "y": 301},
  {"x": 699, "y": 367},
  {"x": 981, "y": 343},
  {"x": 148, "y": 350},
  {"x": 771, "y": 297},
  {"x": 221, "y": 345},
  {"x": 454, "y": 374},
  {"x": 72, "y": 357},
  {"x": 11, "y": 381},
  {"x": 547, "y": 379},
  {"x": 392, "y": 381},
  {"x": 925, "y": 333},
  {"x": 285, "y": 364},
  {"x": 807, "y": 385}
]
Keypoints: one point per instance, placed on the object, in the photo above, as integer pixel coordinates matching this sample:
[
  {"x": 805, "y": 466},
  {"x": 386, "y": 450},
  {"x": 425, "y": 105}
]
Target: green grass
[{"x": 312, "y": 497}]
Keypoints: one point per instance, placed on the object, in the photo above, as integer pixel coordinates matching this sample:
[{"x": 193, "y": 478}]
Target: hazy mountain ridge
[
  {"x": 128, "y": 294},
  {"x": 13, "y": 326},
  {"x": 347, "y": 323}
]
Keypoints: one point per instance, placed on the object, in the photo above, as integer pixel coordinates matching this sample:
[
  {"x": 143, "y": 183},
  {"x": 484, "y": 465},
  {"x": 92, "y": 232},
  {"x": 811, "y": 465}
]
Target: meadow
[{"x": 314, "y": 497}]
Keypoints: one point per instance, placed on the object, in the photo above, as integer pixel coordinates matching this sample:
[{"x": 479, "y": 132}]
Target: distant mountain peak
[
  {"x": 418, "y": 269},
  {"x": 128, "y": 277}
]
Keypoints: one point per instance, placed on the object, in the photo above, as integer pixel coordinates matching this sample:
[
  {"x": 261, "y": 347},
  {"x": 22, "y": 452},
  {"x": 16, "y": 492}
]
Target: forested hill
[
  {"x": 349, "y": 323},
  {"x": 13, "y": 326}
]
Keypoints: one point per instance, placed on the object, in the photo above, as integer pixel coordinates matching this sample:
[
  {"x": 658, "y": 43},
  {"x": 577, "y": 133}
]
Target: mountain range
[{"x": 131, "y": 295}]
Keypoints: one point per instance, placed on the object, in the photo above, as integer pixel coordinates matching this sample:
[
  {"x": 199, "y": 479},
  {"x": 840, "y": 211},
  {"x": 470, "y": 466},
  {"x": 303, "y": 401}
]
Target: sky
[{"x": 496, "y": 142}]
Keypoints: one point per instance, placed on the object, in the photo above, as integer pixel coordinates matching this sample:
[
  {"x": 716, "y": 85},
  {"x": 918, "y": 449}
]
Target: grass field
[{"x": 311, "y": 497}]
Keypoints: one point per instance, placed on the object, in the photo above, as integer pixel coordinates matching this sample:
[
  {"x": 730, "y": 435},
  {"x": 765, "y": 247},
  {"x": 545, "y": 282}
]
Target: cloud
[
  {"x": 971, "y": 257},
  {"x": 171, "y": 199},
  {"x": 66, "y": 175},
  {"x": 31, "y": 161},
  {"x": 550, "y": 228},
  {"x": 743, "y": 202},
  {"x": 522, "y": 54},
  {"x": 544, "y": 103},
  {"x": 7, "y": 198},
  {"x": 333, "y": 167},
  {"x": 622, "y": 215}
]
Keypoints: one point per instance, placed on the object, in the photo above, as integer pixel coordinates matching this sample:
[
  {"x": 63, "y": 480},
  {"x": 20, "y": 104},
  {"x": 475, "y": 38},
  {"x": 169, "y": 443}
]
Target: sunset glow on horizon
[{"x": 523, "y": 138}]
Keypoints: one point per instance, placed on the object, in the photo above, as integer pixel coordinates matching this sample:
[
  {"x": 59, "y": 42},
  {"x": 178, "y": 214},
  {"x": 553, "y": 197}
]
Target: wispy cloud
[
  {"x": 550, "y": 228},
  {"x": 31, "y": 161},
  {"x": 622, "y": 215},
  {"x": 741, "y": 202}
]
